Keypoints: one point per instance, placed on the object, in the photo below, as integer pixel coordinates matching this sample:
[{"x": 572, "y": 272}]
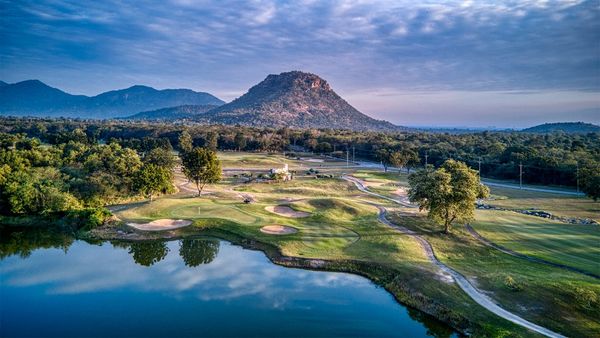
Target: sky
[{"x": 416, "y": 63}]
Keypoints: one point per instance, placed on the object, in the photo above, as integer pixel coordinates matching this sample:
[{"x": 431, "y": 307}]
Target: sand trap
[
  {"x": 278, "y": 230},
  {"x": 161, "y": 224},
  {"x": 284, "y": 210},
  {"x": 314, "y": 160}
]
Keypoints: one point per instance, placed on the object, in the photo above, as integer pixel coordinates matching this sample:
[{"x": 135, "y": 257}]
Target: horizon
[{"x": 508, "y": 65}]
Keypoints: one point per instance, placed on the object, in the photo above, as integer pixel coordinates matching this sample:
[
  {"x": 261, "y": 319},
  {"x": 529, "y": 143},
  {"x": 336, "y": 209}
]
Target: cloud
[{"x": 227, "y": 46}]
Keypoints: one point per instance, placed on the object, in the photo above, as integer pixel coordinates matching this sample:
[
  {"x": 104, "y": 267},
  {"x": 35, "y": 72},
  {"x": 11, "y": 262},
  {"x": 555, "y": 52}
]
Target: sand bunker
[
  {"x": 161, "y": 224},
  {"x": 284, "y": 210},
  {"x": 278, "y": 230}
]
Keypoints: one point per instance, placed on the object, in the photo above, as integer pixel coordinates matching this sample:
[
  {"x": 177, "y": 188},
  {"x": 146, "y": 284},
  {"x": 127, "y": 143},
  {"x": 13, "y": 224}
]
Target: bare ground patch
[
  {"x": 276, "y": 229},
  {"x": 284, "y": 210},
  {"x": 161, "y": 224}
]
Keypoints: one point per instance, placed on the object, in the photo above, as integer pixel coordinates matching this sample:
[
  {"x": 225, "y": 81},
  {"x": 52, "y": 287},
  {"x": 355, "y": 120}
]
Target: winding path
[{"x": 462, "y": 282}]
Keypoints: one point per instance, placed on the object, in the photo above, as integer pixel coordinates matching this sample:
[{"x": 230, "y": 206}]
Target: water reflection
[{"x": 190, "y": 287}]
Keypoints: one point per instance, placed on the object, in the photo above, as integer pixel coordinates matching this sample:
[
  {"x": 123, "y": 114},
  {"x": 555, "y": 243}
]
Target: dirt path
[
  {"x": 528, "y": 258},
  {"x": 479, "y": 297}
]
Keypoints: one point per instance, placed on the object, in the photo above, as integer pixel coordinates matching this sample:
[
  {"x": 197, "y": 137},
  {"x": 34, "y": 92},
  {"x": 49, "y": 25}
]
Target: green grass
[
  {"x": 547, "y": 296},
  {"x": 568, "y": 244},
  {"x": 560, "y": 205}
]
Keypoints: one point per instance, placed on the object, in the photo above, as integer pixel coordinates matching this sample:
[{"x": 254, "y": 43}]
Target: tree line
[{"x": 551, "y": 159}]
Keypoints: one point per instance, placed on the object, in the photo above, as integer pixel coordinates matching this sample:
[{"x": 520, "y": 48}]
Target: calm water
[{"x": 198, "y": 287}]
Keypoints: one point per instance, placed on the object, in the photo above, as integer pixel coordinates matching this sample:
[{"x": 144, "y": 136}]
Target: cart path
[{"x": 461, "y": 281}]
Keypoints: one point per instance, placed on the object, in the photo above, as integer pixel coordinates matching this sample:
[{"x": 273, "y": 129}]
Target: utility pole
[
  {"x": 426, "y": 156},
  {"x": 479, "y": 171},
  {"x": 577, "y": 176},
  {"x": 347, "y": 157},
  {"x": 521, "y": 175}
]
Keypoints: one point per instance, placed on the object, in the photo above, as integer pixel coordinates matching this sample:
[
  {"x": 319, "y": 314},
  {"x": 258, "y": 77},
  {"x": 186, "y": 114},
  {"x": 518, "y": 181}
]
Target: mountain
[
  {"x": 34, "y": 98},
  {"x": 173, "y": 113},
  {"x": 2, "y": 84},
  {"x": 567, "y": 127},
  {"x": 294, "y": 99}
]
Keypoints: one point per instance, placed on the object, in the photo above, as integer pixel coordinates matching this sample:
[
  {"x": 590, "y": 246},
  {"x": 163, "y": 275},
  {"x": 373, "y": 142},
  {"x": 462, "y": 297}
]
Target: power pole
[
  {"x": 577, "y": 176},
  {"x": 347, "y": 157},
  {"x": 520, "y": 175},
  {"x": 479, "y": 171}
]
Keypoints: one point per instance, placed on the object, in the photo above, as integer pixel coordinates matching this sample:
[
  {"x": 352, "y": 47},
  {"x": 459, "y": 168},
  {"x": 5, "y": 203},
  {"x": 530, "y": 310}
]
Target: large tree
[
  {"x": 201, "y": 166},
  {"x": 186, "y": 143},
  {"x": 152, "y": 180},
  {"x": 448, "y": 193}
]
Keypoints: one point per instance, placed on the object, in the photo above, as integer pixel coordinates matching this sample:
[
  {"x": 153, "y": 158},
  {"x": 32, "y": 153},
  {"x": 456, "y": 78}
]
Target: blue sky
[{"x": 462, "y": 63}]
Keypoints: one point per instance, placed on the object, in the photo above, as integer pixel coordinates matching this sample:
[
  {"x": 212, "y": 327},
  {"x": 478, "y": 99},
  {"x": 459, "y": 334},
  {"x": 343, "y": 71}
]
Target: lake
[{"x": 193, "y": 287}]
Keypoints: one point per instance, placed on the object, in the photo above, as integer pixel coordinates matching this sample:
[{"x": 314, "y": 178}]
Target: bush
[
  {"x": 587, "y": 299},
  {"x": 87, "y": 219},
  {"x": 510, "y": 283}
]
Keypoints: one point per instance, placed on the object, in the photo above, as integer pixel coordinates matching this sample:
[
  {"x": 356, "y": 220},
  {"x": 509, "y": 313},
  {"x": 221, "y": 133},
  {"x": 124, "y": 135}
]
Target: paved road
[{"x": 462, "y": 282}]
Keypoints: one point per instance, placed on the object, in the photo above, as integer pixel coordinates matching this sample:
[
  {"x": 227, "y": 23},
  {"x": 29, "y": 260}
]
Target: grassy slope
[
  {"x": 568, "y": 244},
  {"x": 547, "y": 295}
]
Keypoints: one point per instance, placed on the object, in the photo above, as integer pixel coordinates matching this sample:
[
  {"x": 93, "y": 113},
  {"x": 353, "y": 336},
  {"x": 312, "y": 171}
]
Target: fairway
[{"x": 567, "y": 244}]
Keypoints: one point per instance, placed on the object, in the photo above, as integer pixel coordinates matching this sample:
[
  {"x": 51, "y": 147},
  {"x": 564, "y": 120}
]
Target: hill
[
  {"x": 35, "y": 98},
  {"x": 294, "y": 99},
  {"x": 567, "y": 127},
  {"x": 173, "y": 113}
]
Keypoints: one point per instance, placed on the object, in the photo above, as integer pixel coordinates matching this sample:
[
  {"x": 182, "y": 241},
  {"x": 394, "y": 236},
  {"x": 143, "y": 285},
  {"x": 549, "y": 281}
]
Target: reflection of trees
[
  {"x": 198, "y": 251},
  {"x": 148, "y": 253},
  {"x": 434, "y": 327},
  {"x": 23, "y": 241}
]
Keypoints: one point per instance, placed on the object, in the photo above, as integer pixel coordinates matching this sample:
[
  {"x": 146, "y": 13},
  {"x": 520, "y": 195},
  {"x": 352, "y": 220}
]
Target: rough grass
[
  {"x": 560, "y": 205},
  {"x": 568, "y": 244}
]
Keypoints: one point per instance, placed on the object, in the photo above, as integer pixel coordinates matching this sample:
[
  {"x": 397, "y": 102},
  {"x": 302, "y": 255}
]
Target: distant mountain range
[
  {"x": 185, "y": 112},
  {"x": 35, "y": 98},
  {"x": 567, "y": 127},
  {"x": 294, "y": 99}
]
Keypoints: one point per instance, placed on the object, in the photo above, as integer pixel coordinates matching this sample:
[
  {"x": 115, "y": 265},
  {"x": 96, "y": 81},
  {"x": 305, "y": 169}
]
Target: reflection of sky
[{"x": 238, "y": 282}]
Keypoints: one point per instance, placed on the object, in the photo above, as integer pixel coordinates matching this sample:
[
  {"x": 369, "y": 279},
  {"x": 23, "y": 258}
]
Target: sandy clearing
[
  {"x": 278, "y": 230},
  {"x": 161, "y": 224},
  {"x": 284, "y": 210}
]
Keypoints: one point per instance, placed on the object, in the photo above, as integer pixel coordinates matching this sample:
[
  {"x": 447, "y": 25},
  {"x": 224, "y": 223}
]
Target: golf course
[{"x": 488, "y": 279}]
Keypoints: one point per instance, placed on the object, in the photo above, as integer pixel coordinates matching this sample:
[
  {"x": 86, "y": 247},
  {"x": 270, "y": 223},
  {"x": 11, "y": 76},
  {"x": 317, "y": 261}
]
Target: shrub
[
  {"x": 587, "y": 299},
  {"x": 87, "y": 219},
  {"x": 510, "y": 283}
]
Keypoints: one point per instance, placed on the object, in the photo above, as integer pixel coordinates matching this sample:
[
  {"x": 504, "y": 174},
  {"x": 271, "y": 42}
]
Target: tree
[
  {"x": 186, "y": 143},
  {"x": 201, "y": 166},
  {"x": 323, "y": 147},
  {"x": 448, "y": 193},
  {"x": 152, "y": 179},
  {"x": 160, "y": 157},
  {"x": 212, "y": 141},
  {"x": 239, "y": 141},
  {"x": 590, "y": 180},
  {"x": 410, "y": 158},
  {"x": 383, "y": 155}
]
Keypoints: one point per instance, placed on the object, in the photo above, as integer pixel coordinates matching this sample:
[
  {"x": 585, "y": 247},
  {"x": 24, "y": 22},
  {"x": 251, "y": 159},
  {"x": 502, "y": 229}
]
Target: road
[{"x": 477, "y": 296}]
